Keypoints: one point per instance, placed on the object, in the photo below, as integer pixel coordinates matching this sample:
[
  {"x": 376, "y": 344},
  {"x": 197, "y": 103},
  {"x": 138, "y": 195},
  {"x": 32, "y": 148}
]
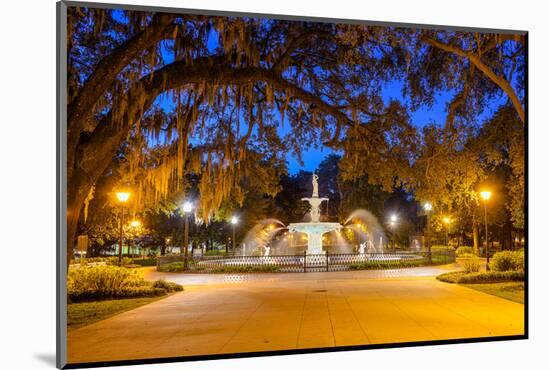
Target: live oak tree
[
  {"x": 442, "y": 162},
  {"x": 122, "y": 64}
]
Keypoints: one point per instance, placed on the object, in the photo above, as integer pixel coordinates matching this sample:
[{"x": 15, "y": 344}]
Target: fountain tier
[{"x": 314, "y": 231}]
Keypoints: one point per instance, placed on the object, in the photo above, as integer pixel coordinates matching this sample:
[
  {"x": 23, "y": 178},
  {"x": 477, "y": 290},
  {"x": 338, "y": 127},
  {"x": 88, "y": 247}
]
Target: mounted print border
[{"x": 237, "y": 184}]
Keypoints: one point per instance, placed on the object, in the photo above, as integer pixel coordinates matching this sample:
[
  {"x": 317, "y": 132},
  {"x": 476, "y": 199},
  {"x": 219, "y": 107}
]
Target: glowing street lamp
[
  {"x": 393, "y": 224},
  {"x": 427, "y": 209},
  {"x": 485, "y": 196},
  {"x": 187, "y": 207},
  {"x": 122, "y": 197},
  {"x": 234, "y": 222}
]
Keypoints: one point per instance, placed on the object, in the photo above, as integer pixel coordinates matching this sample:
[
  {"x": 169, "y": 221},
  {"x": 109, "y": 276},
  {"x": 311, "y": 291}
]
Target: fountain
[
  {"x": 314, "y": 229},
  {"x": 264, "y": 245}
]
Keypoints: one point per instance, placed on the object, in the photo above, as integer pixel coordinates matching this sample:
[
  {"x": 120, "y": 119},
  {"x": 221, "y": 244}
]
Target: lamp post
[
  {"x": 187, "y": 208},
  {"x": 427, "y": 209},
  {"x": 122, "y": 197},
  {"x": 234, "y": 222},
  {"x": 447, "y": 222},
  {"x": 134, "y": 224},
  {"x": 393, "y": 224},
  {"x": 486, "y": 195},
  {"x": 167, "y": 241}
]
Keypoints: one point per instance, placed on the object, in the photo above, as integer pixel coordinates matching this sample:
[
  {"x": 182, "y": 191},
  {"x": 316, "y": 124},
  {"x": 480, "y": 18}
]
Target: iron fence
[{"x": 302, "y": 262}]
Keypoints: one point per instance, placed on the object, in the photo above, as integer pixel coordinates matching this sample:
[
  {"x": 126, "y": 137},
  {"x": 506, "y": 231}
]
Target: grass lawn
[
  {"x": 513, "y": 291},
  {"x": 86, "y": 313}
]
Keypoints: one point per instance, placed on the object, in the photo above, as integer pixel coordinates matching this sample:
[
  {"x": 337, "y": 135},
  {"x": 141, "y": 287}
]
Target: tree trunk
[
  {"x": 475, "y": 237},
  {"x": 507, "y": 237},
  {"x": 78, "y": 189}
]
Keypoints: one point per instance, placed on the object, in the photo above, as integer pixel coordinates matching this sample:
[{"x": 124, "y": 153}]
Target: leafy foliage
[
  {"x": 508, "y": 261},
  {"x": 111, "y": 282},
  {"x": 471, "y": 264},
  {"x": 481, "y": 277},
  {"x": 461, "y": 251}
]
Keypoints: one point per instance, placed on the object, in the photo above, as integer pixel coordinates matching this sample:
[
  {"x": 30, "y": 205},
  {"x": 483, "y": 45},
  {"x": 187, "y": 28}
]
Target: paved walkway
[{"x": 227, "y": 314}]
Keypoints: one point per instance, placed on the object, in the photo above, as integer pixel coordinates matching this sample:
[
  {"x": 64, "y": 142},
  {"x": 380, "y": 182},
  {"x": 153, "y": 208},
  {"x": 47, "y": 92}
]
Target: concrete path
[
  {"x": 288, "y": 311},
  {"x": 190, "y": 279}
]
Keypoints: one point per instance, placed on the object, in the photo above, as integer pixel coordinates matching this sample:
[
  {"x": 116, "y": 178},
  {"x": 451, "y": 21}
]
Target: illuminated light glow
[
  {"x": 122, "y": 196},
  {"x": 427, "y": 206},
  {"x": 393, "y": 218},
  {"x": 135, "y": 223},
  {"x": 485, "y": 195},
  {"x": 187, "y": 207},
  {"x": 234, "y": 220},
  {"x": 447, "y": 220}
]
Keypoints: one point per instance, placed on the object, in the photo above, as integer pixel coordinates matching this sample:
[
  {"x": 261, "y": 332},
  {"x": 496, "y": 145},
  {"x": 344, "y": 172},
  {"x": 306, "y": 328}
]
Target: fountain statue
[
  {"x": 315, "y": 185},
  {"x": 314, "y": 229}
]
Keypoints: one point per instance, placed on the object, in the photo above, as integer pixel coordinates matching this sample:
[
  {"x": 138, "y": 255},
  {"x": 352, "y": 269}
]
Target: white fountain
[{"x": 314, "y": 229}]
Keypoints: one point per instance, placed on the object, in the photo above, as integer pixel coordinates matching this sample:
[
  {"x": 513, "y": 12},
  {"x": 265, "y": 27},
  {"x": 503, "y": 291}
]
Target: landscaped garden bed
[
  {"x": 505, "y": 277},
  {"x": 112, "y": 282},
  {"x": 97, "y": 292}
]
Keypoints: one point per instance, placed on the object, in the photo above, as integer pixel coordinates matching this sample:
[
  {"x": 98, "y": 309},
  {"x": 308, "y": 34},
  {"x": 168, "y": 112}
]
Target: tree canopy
[{"x": 167, "y": 98}]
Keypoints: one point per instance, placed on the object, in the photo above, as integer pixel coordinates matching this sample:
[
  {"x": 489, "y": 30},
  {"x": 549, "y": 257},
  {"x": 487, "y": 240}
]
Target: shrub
[
  {"x": 214, "y": 252},
  {"x": 167, "y": 285},
  {"x": 508, "y": 261},
  {"x": 112, "y": 282},
  {"x": 145, "y": 261},
  {"x": 481, "y": 277},
  {"x": 464, "y": 252},
  {"x": 171, "y": 267},
  {"x": 471, "y": 265},
  {"x": 111, "y": 261},
  {"x": 247, "y": 268},
  {"x": 178, "y": 267},
  {"x": 381, "y": 265},
  {"x": 441, "y": 248}
]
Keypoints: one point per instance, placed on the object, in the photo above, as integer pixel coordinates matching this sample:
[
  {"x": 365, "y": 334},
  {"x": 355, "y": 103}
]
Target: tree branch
[
  {"x": 485, "y": 69},
  {"x": 105, "y": 73},
  {"x": 101, "y": 146}
]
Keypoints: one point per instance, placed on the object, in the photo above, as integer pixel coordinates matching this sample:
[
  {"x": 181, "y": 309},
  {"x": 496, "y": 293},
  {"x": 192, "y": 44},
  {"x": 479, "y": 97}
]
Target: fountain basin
[{"x": 314, "y": 232}]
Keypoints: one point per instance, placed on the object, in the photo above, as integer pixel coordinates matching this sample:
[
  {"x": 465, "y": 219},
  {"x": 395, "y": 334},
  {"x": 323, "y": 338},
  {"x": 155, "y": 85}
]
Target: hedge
[
  {"x": 464, "y": 251},
  {"x": 461, "y": 277},
  {"x": 178, "y": 267}
]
